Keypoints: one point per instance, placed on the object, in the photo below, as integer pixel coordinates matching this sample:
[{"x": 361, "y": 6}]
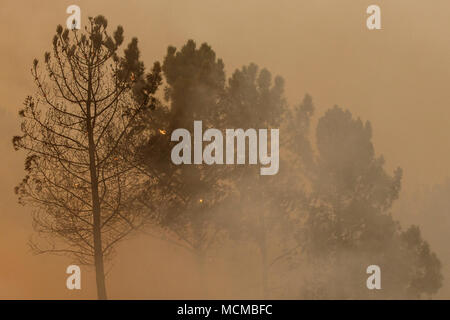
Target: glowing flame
[
  {"x": 201, "y": 200},
  {"x": 162, "y": 131},
  {"x": 132, "y": 77}
]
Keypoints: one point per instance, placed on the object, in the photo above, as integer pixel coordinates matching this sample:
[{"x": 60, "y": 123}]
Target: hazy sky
[{"x": 396, "y": 77}]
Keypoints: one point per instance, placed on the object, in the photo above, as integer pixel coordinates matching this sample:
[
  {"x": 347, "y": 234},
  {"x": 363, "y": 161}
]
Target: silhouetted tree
[
  {"x": 297, "y": 140},
  {"x": 254, "y": 99},
  {"x": 428, "y": 207},
  {"x": 76, "y": 130},
  {"x": 188, "y": 196},
  {"x": 349, "y": 223}
]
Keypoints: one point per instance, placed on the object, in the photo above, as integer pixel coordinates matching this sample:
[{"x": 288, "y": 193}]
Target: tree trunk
[{"x": 98, "y": 248}]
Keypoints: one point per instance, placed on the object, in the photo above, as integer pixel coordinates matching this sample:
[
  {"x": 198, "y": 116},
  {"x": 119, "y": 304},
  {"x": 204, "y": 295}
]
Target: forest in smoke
[{"x": 96, "y": 136}]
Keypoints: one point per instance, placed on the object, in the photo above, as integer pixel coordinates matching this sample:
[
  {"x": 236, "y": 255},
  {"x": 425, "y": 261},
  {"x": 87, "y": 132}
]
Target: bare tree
[{"x": 76, "y": 129}]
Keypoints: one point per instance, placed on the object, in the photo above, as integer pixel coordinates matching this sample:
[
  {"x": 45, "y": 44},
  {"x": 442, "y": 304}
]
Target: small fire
[
  {"x": 201, "y": 200},
  {"x": 162, "y": 131},
  {"x": 132, "y": 77}
]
